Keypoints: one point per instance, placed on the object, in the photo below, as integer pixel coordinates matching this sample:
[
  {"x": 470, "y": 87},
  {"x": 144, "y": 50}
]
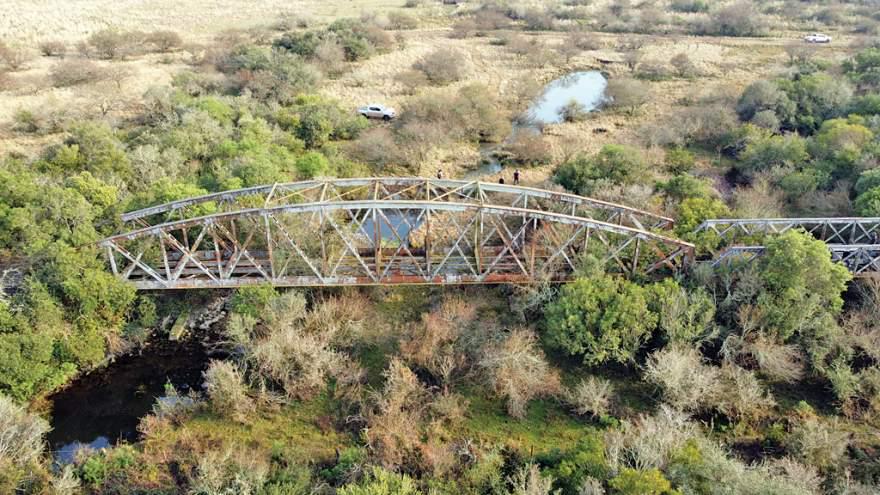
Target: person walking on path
[{"x": 516, "y": 177}]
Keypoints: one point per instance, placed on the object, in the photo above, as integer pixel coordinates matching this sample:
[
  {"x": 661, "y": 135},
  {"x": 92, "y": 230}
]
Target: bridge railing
[
  {"x": 370, "y": 242},
  {"x": 840, "y": 230},
  {"x": 400, "y": 188},
  {"x": 863, "y": 260}
]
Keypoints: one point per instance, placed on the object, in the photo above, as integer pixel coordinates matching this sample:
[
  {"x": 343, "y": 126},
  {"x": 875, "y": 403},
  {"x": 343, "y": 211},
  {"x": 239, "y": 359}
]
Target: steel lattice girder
[
  {"x": 404, "y": 188},
  {"x": 863, "y": 260},
  {"x": 372, "y": 242},
  {"x": 843, "y": 230}
]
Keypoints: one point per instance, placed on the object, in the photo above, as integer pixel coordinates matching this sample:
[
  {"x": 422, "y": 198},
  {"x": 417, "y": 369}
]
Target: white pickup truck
[
  {"x": 817, "y": 38},
  {"x": 375, "y": 111}
]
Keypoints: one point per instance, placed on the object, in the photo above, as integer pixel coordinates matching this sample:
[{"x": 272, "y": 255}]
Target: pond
[
  {"x": 587, "y": 88},
  {"x": 402, "y": 221},
  {"x": 105, "y": 406}
]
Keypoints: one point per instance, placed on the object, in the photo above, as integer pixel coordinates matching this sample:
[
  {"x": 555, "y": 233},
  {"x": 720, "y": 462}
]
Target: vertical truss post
[
  {"x": 112, "y": 258},
  {"x": 427, "y": 246},
  {"x": 269, "y": 244},
  {"x": 478, "y": 240},
  {"x": 635, "y": 264},
  {"x": 377, "y": 241}
]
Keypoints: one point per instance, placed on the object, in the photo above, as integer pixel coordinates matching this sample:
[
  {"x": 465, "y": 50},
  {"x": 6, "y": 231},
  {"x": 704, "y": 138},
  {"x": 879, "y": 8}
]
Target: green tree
[
  {"x": 601, "y": 318},
  {"x": 635, "y": 482},
  {"x": 614, "y": 164},
  {"x": 311, "y": 164},
  {"x": 381, "y": 482},
  {"x": 803, "y": 286},
  {"x": 867, "y": 204},
  {"x": 774, "y": 151},
  {"x": 252, "y": 300}
]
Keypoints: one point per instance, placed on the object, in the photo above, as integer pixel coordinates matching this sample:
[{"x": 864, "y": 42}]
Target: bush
[
  {"x": 15, "y": 57},
  {"x": 164, "y": 41},
  {"x": 53, "y": 48},
  {"x": 689, "y": 6},
  {"x": 627, "y": 94},
  {"x": 402, "y": 20},
  {"x": 867, "y": 204},
  {"x": 686, "y": 380},
  {"x": 21, "y": 441},
  {"x": 517, "y": 370},
  {"x": 573, "y": 111},
  {"x": 738, "y": 19},
  {"x": 527, "y": 149},
  {"x": 442, "y": 66},
  {"x": 591, "y": 396},
  {"x": 615, "y": 164},
  {"x": 112, "y": 44},
  {"x": 602, "y": 318},
  {"x": 73, "y": 72},
  {"x": 227, "y": 392},
  {"x": 381, "y": 482},
  {"x": 683, "y": 65},
  {"x": 818, "y": 444},
  {"x": 311, "y": 165},
  {"x": 634, "y": 482}
]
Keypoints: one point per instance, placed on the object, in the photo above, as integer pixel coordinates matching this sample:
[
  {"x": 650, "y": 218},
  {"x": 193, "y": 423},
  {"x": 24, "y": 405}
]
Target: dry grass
[{"x": 719, "y": 61}]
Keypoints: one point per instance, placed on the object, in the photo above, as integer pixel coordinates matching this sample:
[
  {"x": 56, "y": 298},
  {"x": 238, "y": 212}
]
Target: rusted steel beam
[
  {"x": 461, "y": 243},
  {"x": 395, "y": 187}
]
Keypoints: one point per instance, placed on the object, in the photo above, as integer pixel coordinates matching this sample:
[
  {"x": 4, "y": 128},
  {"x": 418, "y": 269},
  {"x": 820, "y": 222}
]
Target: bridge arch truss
[
  {"x": 381, "y": 241},
  {"x": 399, "y": 189}
]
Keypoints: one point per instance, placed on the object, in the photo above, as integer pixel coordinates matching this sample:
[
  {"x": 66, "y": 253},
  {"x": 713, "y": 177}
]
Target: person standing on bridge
[
  {"x": 440, "y": 174},
  {"x": 516, "y": 177}
]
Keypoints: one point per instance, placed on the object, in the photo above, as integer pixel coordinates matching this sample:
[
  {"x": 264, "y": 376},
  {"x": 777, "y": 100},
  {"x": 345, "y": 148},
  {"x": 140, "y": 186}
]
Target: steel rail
[
  {"x": 403, "y": 205},
  {"x": 444, "y": 185},
  {"x": 459, "y": 243}
]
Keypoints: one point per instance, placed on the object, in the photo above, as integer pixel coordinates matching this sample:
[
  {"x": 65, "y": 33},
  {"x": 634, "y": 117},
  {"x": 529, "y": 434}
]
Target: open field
[{"x": 756, "y": 376}]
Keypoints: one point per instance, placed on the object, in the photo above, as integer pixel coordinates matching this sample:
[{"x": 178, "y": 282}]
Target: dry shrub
[
  {"x": 299, "y": 351},
  {"x": 761, "y": 200},
  {"x": 463, "y": 28},
  {"x": 112, "y": 44},
  {"x": 53, "y": 48},
  {"x": 516, "y": 369},
  {"x": 164, "y": 41},
  {"x": 651, "y": 441},
  {"x": 584, "y": 41},
  {"x": 411, "y": 80},
  {"x": 442, "y": 66},
  {"x": 227, "y": 391},
  {"x": 21, "y": 434},
  {"x": 779, "y": 362},
  {"x": 491, "y": 19},
  {"x": 684, "y": 377},
  {"x": 72, "y": 72},
  {"x": 591, "y": 396},
  {"x": 820, "y": 444},
  {"x": 431, "y": 343},
  {"x": 741, "y": 396},
  {"x": 528, "y": 480},
  {"x": 233, "y": 470},
  {"x": 402, "y": 20},
  {"x": 14, "y": 56},
  {"x": 862, "y": 325},
  {"x": 330, "y": 56},
  {"x": 627, "y": 94},
  {"x": 683, "y": 65},
  {"x": 528, "y": 149},
  {"x": 395, "y": 419}
]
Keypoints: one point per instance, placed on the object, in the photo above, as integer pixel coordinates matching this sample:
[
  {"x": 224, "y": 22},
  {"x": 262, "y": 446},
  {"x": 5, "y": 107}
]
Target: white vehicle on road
[
  {"x": 375, "y": 111},
  {"x": 817, "y": 38}
]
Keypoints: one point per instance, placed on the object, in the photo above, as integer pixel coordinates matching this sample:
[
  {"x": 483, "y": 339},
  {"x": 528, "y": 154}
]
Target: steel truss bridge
[
  {"x": 376, "y": 231},
  {"x": 854, "y": 242}
]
